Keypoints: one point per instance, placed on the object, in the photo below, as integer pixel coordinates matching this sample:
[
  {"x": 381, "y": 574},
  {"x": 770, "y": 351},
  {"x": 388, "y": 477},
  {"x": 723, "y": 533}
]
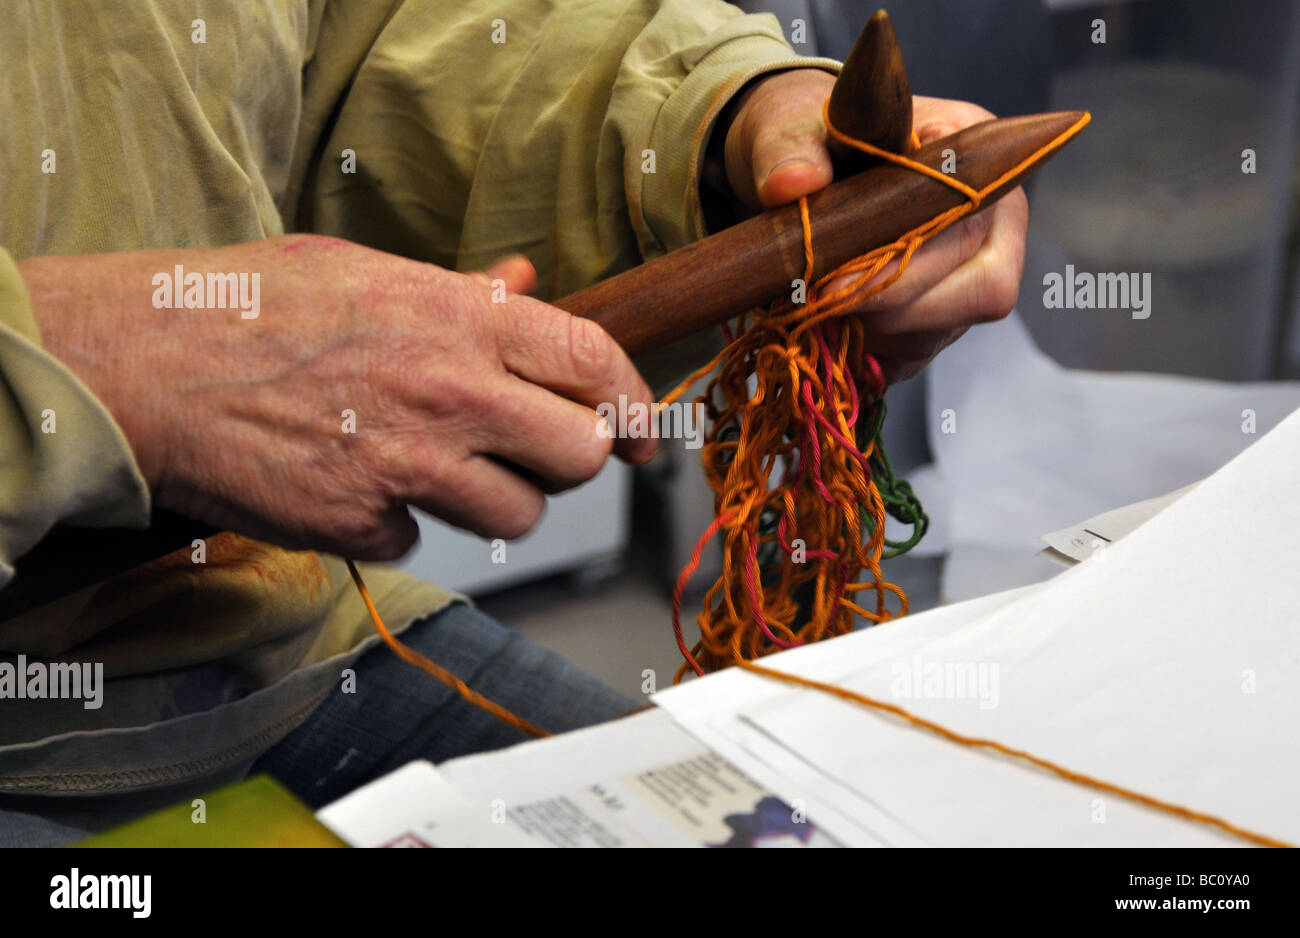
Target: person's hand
[
  {"x": 466, "y": 402},
  {"x": 776, "y": 152}
]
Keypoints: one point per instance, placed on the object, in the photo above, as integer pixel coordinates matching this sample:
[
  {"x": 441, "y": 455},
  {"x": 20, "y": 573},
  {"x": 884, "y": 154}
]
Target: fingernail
[{"x": 789, "y": 161}]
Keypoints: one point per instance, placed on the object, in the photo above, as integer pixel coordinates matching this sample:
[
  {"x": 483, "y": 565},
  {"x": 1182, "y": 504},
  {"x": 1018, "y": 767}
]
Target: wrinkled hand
[
  {"x": 776, "y": 152},
  {"x": 465, "y": 406}
]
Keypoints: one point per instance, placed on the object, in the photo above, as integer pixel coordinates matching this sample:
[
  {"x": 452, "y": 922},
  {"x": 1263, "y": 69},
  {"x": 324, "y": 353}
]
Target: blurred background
[{"x": 1060, "y": 414}]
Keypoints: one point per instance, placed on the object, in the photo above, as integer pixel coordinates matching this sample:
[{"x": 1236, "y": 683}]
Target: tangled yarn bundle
[{"x": 802, "y": 484}]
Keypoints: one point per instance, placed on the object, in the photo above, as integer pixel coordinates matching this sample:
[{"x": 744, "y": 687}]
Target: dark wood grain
[
  {"x": 872, "y": 98},
  {"x": 747, "y": 265}
]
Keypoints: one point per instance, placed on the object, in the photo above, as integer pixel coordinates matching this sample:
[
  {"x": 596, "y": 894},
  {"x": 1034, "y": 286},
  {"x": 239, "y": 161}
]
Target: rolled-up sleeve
[
  {"x": 570, "y": 131},
  {"x": 62, "y": 457},
  {"x": 675, "y": 80}
]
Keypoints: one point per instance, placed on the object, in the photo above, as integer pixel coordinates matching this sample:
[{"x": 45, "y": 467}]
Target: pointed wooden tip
[
  {"x": 986, "y": 151},
  {"x": 1048, "y": 125},
  {"x": 872, "y": 98},
  {"x": 1021, "y": 137}
]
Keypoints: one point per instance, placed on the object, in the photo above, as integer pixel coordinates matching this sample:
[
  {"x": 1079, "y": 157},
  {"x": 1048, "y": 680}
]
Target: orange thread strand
[
  {"x": 788, "y": 450},
  {"x": 415, "y": 659},
  {"x": 781, "y": 351},
  {"x": 778, "y": 349},
  {"x": 975, "y": 742}
]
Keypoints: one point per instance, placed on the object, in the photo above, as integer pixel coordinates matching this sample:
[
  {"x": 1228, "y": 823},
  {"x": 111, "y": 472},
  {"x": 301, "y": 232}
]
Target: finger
[
  {"x": 783, "y": 176},
  {"x": 932, "y": 262},
  {"x": 905, "y": 356},
  {"x": 895, "y": 371},
  {"x": 573, "y": 357},
  {"x": 515, "y": 271},
  {"x": 777, "y": 149},
  {"x": 394, "y": 533},
  {"x": 561, "y": 443},
  {"x": 983, "y": 288},
  {"x": 911, "y": 346},
  {"x": 482, "y": 496},
  {"x": 357, "y": 529},
  {"x": 902, "y": 356},
  {"x": 934, "y": 118}
]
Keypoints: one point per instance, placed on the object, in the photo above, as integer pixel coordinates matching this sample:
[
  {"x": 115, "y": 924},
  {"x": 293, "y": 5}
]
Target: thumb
[
  {"x": 780, "y": 149},
  {"x": 787, "y": 168}
]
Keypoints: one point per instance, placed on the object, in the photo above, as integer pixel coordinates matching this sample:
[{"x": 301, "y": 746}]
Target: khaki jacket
[{"x": 476, "y": 128}]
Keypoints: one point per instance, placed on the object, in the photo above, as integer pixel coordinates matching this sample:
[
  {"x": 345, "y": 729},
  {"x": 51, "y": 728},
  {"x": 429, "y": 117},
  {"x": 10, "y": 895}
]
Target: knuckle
[
  {"x": 449, "y": 398},
  {"x": 396, "y": 463},
  {"x": 491, "y": 408},
  {"x": 591, "y": 350}
]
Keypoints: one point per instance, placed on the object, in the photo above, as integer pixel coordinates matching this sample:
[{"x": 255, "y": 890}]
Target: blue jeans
[{"x": 398, "y": 714}]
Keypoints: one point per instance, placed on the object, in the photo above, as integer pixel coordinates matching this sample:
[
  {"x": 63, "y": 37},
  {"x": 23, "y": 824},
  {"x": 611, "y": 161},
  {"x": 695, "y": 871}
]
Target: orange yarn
[
  {"x": 415, "y": 659},
  {"x": 804, "y": 405},
  {"x": 813, "y": 375},
  {"x": 807, "y": 376},
  {"x": 1077, "y": 777}
]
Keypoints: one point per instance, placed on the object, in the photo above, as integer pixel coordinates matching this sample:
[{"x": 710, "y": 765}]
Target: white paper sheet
[
  {"x": 1169, "y": 663},
  {"x": 638, "y": 782},
  {"x": 415, "y": 806}
]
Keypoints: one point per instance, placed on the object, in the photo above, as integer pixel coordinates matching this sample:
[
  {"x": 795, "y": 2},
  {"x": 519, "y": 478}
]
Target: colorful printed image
[{"x": 773, "y": 823}]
